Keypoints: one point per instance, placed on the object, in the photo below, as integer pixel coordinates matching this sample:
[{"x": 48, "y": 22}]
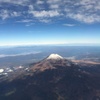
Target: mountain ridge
[{"x": 54, "y": 80}]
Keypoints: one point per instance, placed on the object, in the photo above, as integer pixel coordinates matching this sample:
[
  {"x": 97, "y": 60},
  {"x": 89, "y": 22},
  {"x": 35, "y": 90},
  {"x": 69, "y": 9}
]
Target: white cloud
[
  {"x": 50, "y": 13},
  {"x": 15, "y": 14},
  {"x": 19, "y": 2},
  {"x": 69, "y": 25},
  {"x": 45, "y": 16},
  {"x": 53, "y": 1},
  {"x": 20, "y": 54},
  {"x": 4, "y": 14},
  {"x": 40, "y": 2},
  {"x": 31, "y": 7},
  {"x": 28, "y": 22},
  {"x": 54, "y": 6},
  {"x": 45, "y": 20},
  {"x": 87, "y": 11},
  {"x": 85, "y": 18},
  {"x": 24, "y": 21}
]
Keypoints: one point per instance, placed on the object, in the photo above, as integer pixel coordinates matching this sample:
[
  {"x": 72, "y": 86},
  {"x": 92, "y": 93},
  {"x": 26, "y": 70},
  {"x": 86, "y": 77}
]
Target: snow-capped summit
[
  {"x": 1, "y": 70},
  {"x": 55, "y": 56}
]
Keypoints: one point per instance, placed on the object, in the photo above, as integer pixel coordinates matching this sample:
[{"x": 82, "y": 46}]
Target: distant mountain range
[{"x": 53, "y": 78}]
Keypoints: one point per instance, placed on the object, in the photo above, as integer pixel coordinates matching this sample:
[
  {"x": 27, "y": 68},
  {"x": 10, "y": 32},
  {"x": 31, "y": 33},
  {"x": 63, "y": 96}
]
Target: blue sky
[{"x": 25, "y": 22}]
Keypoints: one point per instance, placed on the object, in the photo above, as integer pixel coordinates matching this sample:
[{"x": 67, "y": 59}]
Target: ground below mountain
[{"x": 54, "y": 79}]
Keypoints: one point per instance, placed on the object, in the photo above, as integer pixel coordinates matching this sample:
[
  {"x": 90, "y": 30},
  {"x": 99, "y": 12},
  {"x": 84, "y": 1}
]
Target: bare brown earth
[
  {"x": 54, "y": 80},
  {"x": 84, "y": 61}
]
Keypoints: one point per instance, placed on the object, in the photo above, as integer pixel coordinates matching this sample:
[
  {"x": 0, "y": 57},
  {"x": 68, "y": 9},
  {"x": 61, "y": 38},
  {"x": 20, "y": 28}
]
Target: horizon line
[{"x": 65, "y": 44}]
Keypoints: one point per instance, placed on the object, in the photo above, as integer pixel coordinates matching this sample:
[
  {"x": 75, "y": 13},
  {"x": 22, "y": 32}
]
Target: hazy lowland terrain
[
  {"x": 50, "y": 73},
  {"x": 23, "y": 55}
]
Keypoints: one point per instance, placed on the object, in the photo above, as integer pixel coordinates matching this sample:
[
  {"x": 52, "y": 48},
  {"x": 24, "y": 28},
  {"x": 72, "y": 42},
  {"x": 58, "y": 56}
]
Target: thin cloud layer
[
  {"x": 69, "y": 25},
  {"x": 19, "y": 2},
  {"x": 86, "y": 11}
]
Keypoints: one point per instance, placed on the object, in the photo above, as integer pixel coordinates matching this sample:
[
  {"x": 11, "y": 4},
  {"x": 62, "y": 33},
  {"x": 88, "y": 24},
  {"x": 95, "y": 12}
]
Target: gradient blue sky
[{"x": 49, "y": 21}]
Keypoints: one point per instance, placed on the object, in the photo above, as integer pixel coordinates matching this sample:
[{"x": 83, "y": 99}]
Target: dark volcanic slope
[{"x": 54, "y": 80}]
